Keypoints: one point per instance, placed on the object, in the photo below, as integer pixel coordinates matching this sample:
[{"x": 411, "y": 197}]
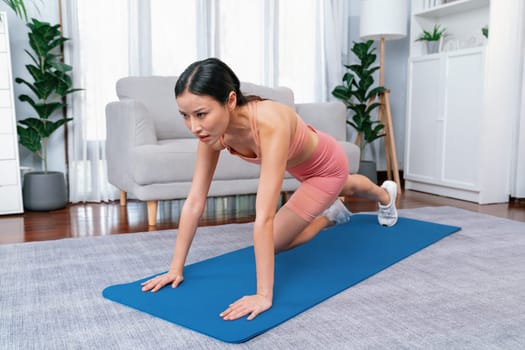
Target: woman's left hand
[{"x": 252, "y": 304}]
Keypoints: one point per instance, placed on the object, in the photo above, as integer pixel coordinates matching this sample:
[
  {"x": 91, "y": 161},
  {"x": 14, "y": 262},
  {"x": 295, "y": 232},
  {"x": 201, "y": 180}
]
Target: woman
[{"x": 272, "y": 135}]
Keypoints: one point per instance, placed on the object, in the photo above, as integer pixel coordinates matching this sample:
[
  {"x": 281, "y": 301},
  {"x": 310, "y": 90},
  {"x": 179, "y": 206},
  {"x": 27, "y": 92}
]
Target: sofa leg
[
  {"x": 152, "y": 213},
  {"x": 123, "y": 199}
]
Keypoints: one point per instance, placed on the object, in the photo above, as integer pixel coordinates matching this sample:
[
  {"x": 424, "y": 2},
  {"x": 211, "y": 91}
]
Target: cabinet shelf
[
  {"x": 462, "y": 51},
  {"x": 447, "y": 122},
  {"x": 454, "y": 7}
]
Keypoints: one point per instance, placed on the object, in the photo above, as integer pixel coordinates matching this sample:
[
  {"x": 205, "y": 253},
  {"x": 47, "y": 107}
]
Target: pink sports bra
[{"x": 296, "y": 146}]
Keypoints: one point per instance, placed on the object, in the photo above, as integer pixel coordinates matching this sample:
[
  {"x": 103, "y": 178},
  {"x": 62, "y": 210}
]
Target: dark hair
[{"x": 213, "y": 78}]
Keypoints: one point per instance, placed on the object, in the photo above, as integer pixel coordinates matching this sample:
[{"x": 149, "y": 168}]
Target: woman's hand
[
  {"x": 253, "y": 305},
  {"x": 160, "y": 281}
]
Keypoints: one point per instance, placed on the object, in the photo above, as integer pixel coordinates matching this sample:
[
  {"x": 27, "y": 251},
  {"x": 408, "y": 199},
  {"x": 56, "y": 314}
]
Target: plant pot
[
  {"x": 44, "y": 191},
  {"x": 368, "y": 168},
  {"x": 432, "y": 47}
]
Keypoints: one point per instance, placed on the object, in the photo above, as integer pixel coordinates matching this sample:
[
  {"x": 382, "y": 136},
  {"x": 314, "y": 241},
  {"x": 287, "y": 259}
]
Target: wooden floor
[{"x": 95, "y": 219}]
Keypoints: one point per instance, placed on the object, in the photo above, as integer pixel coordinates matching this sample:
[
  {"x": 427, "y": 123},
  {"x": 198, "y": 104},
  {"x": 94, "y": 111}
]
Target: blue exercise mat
[{"x": 336, "y": 259}]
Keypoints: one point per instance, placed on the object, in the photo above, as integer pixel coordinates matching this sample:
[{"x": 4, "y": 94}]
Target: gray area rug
[{"x": 466, "y": 291}]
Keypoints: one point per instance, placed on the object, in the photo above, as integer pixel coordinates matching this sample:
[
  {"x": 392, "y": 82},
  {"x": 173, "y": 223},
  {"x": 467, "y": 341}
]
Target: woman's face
[{"x": 204, "y": 116}]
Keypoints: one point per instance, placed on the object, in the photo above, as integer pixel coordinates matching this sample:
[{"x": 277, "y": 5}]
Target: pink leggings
[{"x": 322, "y": 178}]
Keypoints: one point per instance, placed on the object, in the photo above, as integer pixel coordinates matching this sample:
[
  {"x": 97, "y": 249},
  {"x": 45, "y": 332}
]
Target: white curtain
[
  {"x": 294, "y": 43},
  {"x": 334, "y": 44},
  {"x": 98, "y": 50}
]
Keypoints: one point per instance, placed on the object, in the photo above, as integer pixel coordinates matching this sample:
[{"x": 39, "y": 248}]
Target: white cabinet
[
  {"x": 10, "y": 186},
  {"x": 447, "y": 136}
]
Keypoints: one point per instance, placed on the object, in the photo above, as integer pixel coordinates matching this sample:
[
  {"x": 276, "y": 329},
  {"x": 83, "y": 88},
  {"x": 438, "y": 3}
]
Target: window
[
  {"x": 173, "y": 36},
  {"x": 299, "y": 55},
  {"x": 241, "y": 40},
  {"x": 103, "y": 62},
  {"x": 266, "y": 42}
]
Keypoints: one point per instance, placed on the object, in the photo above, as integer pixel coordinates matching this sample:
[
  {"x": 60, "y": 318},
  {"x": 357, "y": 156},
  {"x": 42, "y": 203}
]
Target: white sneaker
[
  {"x": 387, "y": 215},
  {"x": 337, "y": 212}
]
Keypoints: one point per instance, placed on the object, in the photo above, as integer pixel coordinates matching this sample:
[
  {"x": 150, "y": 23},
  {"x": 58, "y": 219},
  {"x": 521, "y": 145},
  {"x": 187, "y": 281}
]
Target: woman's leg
[
  {"x": 361, "y": 186},
  {"x": 385, "y": 196},
  {"x": 300, "y": 219},
  {"x": 290, "y": 230},
  {"x": 304, "y": 215}
]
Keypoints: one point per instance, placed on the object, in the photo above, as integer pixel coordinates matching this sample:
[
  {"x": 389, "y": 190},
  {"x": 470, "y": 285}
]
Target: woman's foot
[
  {"x": 337, "y": 213},
  {"x": 387, "y": 215}
]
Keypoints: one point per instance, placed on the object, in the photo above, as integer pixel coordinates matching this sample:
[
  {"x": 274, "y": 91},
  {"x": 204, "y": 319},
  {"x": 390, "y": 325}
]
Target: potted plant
[
  {"x": 51, "y": 82},
  {"x": 485, "y": 31},
  {"x": 433, "y": 38},
  {"x": 356, "y": 92}
]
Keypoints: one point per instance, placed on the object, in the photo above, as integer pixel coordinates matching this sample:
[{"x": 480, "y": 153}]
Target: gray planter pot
[
  {"x": 368, "y": 168},
  {"x": 432, "y": 47},
  {"x": 43, "y": 192}
]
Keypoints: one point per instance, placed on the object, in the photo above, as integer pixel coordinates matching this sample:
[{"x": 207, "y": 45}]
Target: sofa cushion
[
  {"x": 157, "y": 94},
  {"x": 280, "y": 94},
  {"x": 174, "y": 161},
  {"x": 329, "y": 117}
]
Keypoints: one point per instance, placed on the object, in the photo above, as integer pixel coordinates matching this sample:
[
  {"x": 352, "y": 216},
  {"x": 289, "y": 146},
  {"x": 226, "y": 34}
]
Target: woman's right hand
[{"x": 160, "y": 281}]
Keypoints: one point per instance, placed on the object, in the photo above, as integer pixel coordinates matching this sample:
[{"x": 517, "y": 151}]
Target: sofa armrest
[
  {"x": 127, "y": 126},
  {"x": 329, "y": 117},
  {"x": 129, "y": 119}
]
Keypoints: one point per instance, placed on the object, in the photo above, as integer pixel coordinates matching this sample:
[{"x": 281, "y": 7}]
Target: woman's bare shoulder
[
  {"x": 272, "y": 110},
  {"x": 274, "y": 105}
]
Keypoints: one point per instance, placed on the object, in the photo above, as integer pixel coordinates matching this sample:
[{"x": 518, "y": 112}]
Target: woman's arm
[
  {"x": 274, "y": 135},
  {"x": 192, "y": 210},
  {"x": 274, "y": 138}
]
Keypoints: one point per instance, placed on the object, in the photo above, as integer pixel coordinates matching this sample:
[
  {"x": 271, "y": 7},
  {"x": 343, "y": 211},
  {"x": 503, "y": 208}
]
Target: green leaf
[
  {"x": 373, "y": 69},
  {"x": 52, "y": 126},
  {"x": 18, "y": 7},
  {"x": 342, "y": 93},
  {"x": 372, "y": 106},
  {"x": 71, "y": 91},
  {"x": 375, "y": 91},
  {"x": 61, "y": 67},
  {"x": 47, "y": 84},
  {"x": 30, "y": 139},
  {"x": 356, "y": 68},
  {"x": 33, "y": 58},
  {"x": 34, "y": 124},
  {"x": 44, "y": 110},
  {"x": 28, "y": 84},
  {"x": 348, "y": 78},
  {"x": 28, "y": 99}
]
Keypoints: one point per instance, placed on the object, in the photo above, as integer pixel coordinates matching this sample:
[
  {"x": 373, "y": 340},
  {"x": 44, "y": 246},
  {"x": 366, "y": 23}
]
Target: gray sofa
[{"x": 151, "y": 153}]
